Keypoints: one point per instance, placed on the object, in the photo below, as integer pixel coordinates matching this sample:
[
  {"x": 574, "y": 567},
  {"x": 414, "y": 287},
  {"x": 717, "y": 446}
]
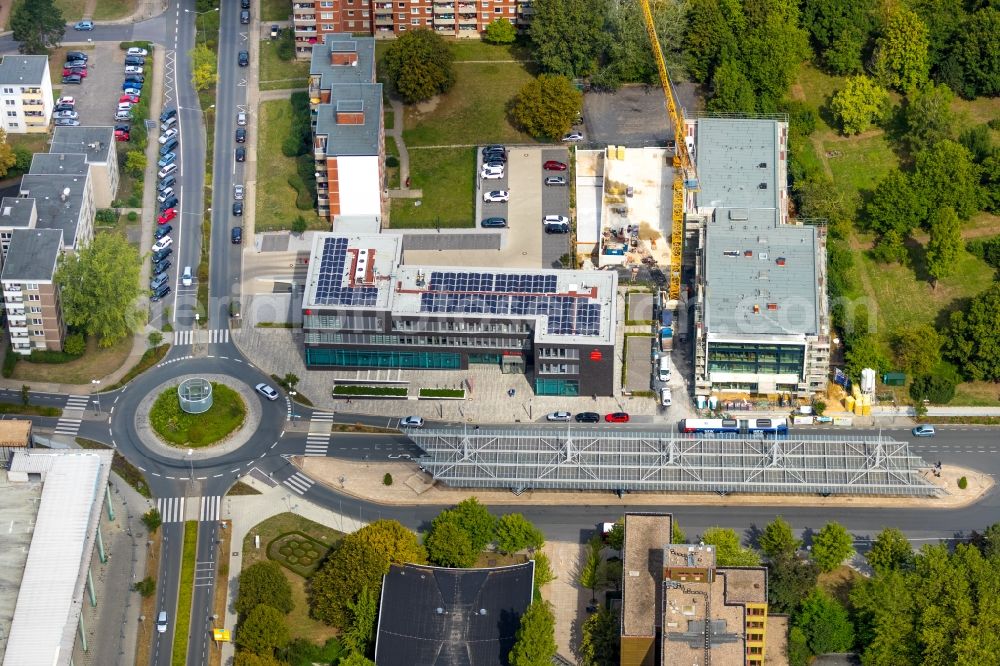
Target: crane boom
[{"x": 683, "y": 166}]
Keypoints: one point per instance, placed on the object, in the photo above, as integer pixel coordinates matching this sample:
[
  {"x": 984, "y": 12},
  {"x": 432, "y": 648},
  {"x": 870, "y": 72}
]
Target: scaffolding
[{"x": 578, "y": 458}]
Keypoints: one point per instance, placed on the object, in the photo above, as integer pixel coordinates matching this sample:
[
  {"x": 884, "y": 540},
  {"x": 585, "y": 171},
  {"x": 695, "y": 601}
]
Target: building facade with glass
[{"x": 363, "y": 309}]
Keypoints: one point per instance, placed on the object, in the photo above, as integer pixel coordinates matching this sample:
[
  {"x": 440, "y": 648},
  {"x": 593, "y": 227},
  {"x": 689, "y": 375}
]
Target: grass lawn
[
  {"x": 474, "y": 49},
  {"x": 275, "y": 197},
  {"x": 388, "y": 117},
  {"x": 36, "y": 143},
  {"x": 474, "y": 112},
  {"x": 392, "y": 173},
  {"x": 95, "y": 362},
  {"x": 113, "y": 9},
  {"x": 447, "y": 177},
  {"x": 859, "y": 163},
  {"x": 150, "y": 357},
  {"x": 278, "y": 74},
  {"x": 275, "y": 10},
  {"x": 299, "y": 622},
  {"x": 72, "y": 11},
  {"x": 180, "y": 428},
  {"x": 184, "y": 594}
]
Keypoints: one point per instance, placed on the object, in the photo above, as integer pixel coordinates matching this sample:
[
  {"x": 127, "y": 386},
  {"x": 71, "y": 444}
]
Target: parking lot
[
  {"x": 555, "y": 201},
  {"x": 97, "y": 97},
  {"x": 635, "y": 115}
]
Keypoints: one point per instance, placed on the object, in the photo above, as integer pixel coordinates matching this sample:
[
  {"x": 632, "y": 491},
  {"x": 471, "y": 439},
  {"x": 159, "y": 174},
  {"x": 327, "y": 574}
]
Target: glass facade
[
  {"x": 367, "y": 358},
  {"x": 487, "y": 359},
  {"x": 557, "y": 387},
  {"x": 768, "y": 359}
]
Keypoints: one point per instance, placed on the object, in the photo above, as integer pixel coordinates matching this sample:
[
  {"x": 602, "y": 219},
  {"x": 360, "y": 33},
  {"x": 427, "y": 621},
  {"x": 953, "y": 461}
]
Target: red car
[
  {"x": 552, "y": 165},
  {"x": 134, "y": 99},
  {"x": 81, "y": 71},
  {"x": 121, "y": 135},
  {"x": 616, "y": 417},
  {"x": 167, "y": 215}
]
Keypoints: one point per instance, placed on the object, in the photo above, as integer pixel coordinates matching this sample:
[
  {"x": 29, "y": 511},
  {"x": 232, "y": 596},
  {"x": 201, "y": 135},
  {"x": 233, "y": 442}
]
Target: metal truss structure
[{"x": 575, "y": 458}]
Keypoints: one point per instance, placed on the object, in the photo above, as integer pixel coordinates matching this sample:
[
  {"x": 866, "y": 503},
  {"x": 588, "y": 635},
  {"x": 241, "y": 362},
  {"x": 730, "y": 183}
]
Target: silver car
[
  {"x": 267, "y": 391},
  {"x": 559, "y": 416},
  {"x": 238, "y": 192},
  {"x": 411, "y": 422}
]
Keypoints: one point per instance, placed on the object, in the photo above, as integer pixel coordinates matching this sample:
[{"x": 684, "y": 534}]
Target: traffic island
[{"x": 220, "y": 412}]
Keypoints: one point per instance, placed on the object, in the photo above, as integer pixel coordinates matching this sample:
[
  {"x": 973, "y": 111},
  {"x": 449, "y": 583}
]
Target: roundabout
[{"x": 197, "y": 414}]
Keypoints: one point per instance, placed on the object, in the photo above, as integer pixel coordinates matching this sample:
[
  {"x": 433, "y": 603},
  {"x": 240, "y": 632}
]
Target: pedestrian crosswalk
[
  {"x": 318, "y": 439},
  {"x": 211, "y": 336},
  {"x": 299, "y": 482},
  {"x": 72, "y": 416},
  {"x": 172, "y": 508}
]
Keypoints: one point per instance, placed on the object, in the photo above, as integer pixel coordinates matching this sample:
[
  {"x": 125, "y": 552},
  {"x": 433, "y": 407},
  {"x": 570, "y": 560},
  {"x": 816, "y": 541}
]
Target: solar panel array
[
  {"x": 330, "y": 289},
  {"x": 566, "y": 315},
  {"x": 502, "y": 282}
]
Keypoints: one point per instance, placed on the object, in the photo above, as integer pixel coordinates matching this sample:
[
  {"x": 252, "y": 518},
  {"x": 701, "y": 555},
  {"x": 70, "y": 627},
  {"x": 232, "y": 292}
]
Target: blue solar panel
[{"x": 330, "y": 289}]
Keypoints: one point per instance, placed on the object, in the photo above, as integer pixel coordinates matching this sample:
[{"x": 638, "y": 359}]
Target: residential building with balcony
[
  {"x": 31, "y": 297},
  {"x": 313, "y": 20},
  {"x": 348, "y": 132},
  {"x": 25, "y": 93},
  {"x": 65, "y": 202},
  {"x": 680, "y": 607},
  {"x": 97, "y": 144}
]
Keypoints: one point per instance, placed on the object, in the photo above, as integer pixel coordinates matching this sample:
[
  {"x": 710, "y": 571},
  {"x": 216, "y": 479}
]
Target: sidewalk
[{"x": 245, "y": 512}]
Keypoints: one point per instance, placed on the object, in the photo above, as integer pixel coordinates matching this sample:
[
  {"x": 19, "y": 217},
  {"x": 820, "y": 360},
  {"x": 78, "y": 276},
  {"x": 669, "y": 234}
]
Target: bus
[{"x": 735, "y": 426}]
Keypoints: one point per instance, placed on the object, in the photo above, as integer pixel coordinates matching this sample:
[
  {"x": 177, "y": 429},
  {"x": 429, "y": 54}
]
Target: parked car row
[
  {"x": 64, "y": 113},
  {"x": 166, "y": 196},
  {"x": 589, "y": 417},
  {"x": 73, "y": 73},
  {"x": 240, "y": 155}
]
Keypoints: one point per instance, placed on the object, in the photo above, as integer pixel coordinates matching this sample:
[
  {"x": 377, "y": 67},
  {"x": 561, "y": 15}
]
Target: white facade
[
  {"x": 26, "y": 99},
  {"x": 359, "y": 185}
]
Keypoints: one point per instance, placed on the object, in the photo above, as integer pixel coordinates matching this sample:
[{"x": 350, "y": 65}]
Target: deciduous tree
[
  {"x": 841, "y": 31},
  {"x": 616, "y": 537},
  {"x": 890, "y": 550},
  {"x": 419, "y": 64},
  {"x": 789, "y": 580},
  {"x": 448, "y": 545},
  {"x": 976, "y": 55},
  {"x": 263, "y": 630},
  {"x": 567, "y": 36},
  {"x": 600, "y": 642},
  {"x": 8, "y": 158},
  {"x": 246, "y": 658},
  {"x": 546, "y": 106},
  {"x": 946, "y": 176},
  {"x": 895, "y": 204},
  {"x": 535, "y": 642},
  {"x": 825, "y": 623},
  {"x": 973, "y": 340},
  {"x": 831, "y": 546},
  {"x": 860, "y": 104},
  {"x": 590, "y": 571},
  {"x": 729, "y": 552},
  {"x": 515, "y": 532},
  {"x": 900, "y": 59},
  {"x": 100, "y": 288},
  {"x": 628, "y": 56},
  {"x": 38, "y": 25},
  {"x": 731, "y": 90},
  {"x": 204, "y": 71},
  {"x": 945, "y": 243},
  {"x": 500, "y": 31},
  {"x": 928, "y": 115},
  {"x": 364, "y": 611},
  {"x": 135, "y": 163},
  {"x": 355, "y": 659},
  {"x": 938, "y": 388},
  {"x": 917, "y": 349},
  {"x": 263, "y": 583},
  {"x": 777, "y": 540}
]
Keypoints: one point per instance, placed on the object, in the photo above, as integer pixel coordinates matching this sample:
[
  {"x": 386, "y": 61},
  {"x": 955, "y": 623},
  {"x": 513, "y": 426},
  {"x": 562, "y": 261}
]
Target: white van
[
  {"x": 186, "y": 277},
  {"x": 167, "y": 170},
  {"x": 666, "y": 398},
  {"x": 161, "y": 622},
  {"x": 663, "y": 371}
]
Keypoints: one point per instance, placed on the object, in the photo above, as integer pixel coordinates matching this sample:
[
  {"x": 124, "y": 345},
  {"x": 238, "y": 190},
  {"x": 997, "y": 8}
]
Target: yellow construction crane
[{"x": 684, "y": 170}]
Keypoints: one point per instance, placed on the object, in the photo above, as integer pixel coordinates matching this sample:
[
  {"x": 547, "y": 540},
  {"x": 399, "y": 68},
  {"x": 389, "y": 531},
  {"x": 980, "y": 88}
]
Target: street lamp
[
  {"x": 191, "y": 461},
  {"x": 197, "y": 14},
  {"x": 97, "y": 385},
  {"x": 293, "y": 394}
]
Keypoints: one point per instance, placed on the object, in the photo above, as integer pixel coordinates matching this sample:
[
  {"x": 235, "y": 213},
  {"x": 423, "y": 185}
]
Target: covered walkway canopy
[{"x": 574, "y": 458}]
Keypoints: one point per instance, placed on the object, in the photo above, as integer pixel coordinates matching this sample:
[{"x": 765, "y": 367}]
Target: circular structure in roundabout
[
  {"x": 198, "y": 413},
  {"x": 195, "y": 395}
]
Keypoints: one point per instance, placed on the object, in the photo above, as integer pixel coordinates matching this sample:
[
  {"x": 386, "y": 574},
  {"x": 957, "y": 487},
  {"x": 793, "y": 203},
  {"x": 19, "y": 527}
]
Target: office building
[
  {"x": 25, "y": 93},
  {"x": 348, "y": 133},
  {"x": 760, "y": 309},
  {"x": 363, "y": 309},
  {"x": 313, "y": 20},
  {"x": 98, "y": 146},
  {"x": 30, "y": 295},
  {"x": 679, "y": 607}
]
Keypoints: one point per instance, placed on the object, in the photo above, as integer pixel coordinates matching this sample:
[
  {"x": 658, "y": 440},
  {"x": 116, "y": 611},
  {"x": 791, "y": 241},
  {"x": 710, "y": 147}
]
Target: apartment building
[
  {"x": 348, "y": 133},
  {"x": 679, "y": 607},
  {"x": 31, "y": 297},
  {"x": 25, "y": 93},
  {"x": 314, "y": 20},
  {"x": 65, "y": 202},
  {"x": 99, "y": 148}
]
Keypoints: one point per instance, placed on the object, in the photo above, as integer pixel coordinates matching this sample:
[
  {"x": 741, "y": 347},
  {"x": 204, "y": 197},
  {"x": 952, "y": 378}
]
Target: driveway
[
  {"x": 555, "y": 201},
  {"x": 486, "y": 209}
]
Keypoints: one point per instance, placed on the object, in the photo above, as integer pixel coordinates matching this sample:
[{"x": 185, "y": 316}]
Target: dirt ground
[{"x": 364, "y": 480}]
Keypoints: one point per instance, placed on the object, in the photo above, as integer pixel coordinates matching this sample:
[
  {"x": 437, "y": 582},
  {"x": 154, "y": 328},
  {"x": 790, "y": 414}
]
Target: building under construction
[{"x": 678, "y": 607}]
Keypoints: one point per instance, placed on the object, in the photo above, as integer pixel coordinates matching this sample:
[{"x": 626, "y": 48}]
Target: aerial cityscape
[{"x": 499, "y": 332}]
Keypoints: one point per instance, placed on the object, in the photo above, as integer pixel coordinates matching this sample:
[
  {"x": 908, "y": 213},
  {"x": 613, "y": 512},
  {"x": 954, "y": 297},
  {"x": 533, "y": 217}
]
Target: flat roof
[
  {"x": 23, "y": 70},
  {"x": 332, "y": 279},
  {"x": 17, "y": 212},
  {"x": 642, "y": 566},
  {"x": 346, "y": 138},
  {"x": 96, "y": 142},
  {"x": 362, "y": 72},
  {"x": 14, "y": 432},
  {"x": 59, "y": 163},
  {"x": 737, "y": 160},
  {"x": 59, "y": 200},
  {"x": 32, "y": 255},
  {"x": 451, "y": 617},
  {"x": 761, "y": 278},
  {"x": 50, "y": 598}
]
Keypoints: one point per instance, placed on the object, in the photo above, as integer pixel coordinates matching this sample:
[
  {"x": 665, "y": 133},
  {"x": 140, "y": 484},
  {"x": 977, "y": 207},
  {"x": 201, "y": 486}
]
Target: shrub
[
  {"x": 145, "y": 587},
  {"x": 938, "y": 389},
  {"x": 152, "y": 520},
  {"x": 106, "y": 216},
  {"x": 132, "y": 216},
  {"x": 391, "y": 161},
  {"x": 9, "y": 361},
  {"x": 299, "y": 224},
  {"x": 75, "y": 344},
  {"x": 963, "y": 483},
  {"x": 387, "y": 479}
]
